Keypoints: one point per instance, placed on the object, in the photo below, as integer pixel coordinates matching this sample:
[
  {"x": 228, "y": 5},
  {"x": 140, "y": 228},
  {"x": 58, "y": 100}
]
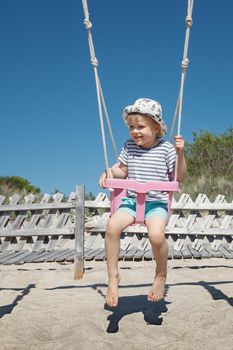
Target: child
[{"x": 145, "y": 156}]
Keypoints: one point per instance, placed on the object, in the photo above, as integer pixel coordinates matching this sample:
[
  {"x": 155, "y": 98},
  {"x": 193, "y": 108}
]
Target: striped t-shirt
[{"x": 149, "y": 164}]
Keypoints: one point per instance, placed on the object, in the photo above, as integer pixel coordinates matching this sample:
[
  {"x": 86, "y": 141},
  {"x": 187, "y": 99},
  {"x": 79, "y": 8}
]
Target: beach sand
[{"x": 43, "y": 307}]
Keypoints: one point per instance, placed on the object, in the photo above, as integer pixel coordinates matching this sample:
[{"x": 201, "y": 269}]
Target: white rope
[
  {"x": 100, "y": 97},
  {"x": 108, "y": 122},
  {"x": 185, "y": 62}
]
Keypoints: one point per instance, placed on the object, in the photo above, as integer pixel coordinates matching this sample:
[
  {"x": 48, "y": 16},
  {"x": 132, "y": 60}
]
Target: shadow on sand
[
  {"x": 152, "y": 312},
  {"x": 7, "y": 309}
]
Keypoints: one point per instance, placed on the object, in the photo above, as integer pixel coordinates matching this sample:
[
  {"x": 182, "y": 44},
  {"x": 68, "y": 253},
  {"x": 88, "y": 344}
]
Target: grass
[{"x": 209, "y": 185}]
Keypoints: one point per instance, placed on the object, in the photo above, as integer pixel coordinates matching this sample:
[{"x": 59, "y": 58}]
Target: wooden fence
[{"x": 53, "y": 230}]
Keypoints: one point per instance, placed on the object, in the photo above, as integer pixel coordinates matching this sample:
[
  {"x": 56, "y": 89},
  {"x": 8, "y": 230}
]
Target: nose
[{"x": 134, "y": 131}]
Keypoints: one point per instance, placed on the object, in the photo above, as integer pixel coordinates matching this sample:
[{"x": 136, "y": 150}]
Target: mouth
[{"x": 138, "y": 138}]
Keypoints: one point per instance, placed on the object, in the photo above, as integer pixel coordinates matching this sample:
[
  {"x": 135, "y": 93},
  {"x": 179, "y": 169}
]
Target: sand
[{"x": 43, "y": 307}]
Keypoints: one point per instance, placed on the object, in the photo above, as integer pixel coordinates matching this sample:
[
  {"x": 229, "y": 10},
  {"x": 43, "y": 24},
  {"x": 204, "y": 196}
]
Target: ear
[{"x": 157, "y": 127}]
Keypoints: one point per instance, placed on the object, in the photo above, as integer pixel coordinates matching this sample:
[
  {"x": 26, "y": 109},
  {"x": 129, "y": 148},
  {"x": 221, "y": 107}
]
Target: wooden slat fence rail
[
  {"x": 36, "y": 232},
  {"x": 53, "y": 229}
]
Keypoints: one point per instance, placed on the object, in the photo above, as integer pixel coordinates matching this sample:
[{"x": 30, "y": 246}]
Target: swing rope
[
  {"x": 100, "y": 96},
  {"x": 185, "y": 63}
]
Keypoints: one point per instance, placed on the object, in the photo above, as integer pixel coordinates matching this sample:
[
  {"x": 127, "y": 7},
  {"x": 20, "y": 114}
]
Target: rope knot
[
  {"x": 87, "y": 24},
  {"x": 189, "y": 21},
  {"x": 185, "y": 64},
  {"x": 94, "y": 62}
]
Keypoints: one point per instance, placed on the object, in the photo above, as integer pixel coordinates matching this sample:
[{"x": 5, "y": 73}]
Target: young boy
[{"x": 145, "y": 156}]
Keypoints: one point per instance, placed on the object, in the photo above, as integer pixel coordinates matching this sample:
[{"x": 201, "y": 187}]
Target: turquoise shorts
[{"x": 151, "y": 208}]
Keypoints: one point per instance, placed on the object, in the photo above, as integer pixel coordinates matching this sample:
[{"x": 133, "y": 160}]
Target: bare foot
[
  {"x": 157, "y": 290},
  {"x": 112, "y": 292}
]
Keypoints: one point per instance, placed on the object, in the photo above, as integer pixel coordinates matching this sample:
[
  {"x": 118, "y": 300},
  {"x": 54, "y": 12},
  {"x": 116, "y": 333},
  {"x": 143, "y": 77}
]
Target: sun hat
[{"x": 151, "y": 109}]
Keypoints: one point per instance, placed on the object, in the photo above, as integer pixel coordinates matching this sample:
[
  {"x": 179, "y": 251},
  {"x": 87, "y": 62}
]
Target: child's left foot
[
  {"x": 157, "y": 290},
  {"x": 112, "y": 292}
]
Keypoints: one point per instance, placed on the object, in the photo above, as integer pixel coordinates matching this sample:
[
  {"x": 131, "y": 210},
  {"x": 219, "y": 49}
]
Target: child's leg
[
  {"x": 156, "y": 233},
  {"x": 116, "y": 224}
]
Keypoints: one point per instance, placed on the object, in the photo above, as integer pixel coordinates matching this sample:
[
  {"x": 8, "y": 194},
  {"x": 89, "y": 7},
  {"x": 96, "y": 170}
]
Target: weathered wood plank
[
  {"x": 79, "y": 233},
  {"x": 179, "y": 244},
  {"x": 33, "y": 256},
  {"x": 53, "y": 241},
  {"x": 214, "y": 254},
  {"x": 37, "y": 232},
  {"x": 13, "y": 258},
  {"x": 176, "y": 254},
  {"x": 32, "y": 224},
  {"x": 20, "y": 258},
  {"x": 101, "y": 255},
  {"x": 148, "y": 255},
  {"x": 226, "y": 252},
  {"x": 91, "y": 254},
  {"x": 6, "y": 255},
  {"x": 121, "y": 254},
  {"x": 50, "y": 255},
  {"x": 176, "y": 230},
  {"x": 36, "y": 207},
  {"x": 188, "y": 206},
  {"x": 195, "y": 254},
  {"x": 67, "y": 255},
  {"x": 204, "y": 253},
  {"x": 186, "y": 254},
  {"x": 6, "y": 242},
  {"x": 138, "y": 256},
  {"x": 129, "y": 255},
  {"x": 170, "y": 251}
]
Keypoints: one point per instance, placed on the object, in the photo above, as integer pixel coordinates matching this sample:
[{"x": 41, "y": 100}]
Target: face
[{"x": 143, "y": 130}]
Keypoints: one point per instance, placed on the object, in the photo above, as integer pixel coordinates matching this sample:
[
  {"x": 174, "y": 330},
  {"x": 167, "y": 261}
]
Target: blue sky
[{"x": 50, "y": 132}]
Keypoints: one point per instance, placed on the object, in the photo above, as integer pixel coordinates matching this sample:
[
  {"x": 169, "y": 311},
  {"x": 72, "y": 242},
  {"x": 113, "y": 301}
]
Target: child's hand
[
  {"x": 103, "y": 176},
  {"x": 179, "y": 144}
]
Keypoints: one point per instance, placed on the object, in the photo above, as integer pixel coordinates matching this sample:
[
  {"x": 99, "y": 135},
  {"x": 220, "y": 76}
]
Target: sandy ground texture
[{"x": 43, "y": 307}]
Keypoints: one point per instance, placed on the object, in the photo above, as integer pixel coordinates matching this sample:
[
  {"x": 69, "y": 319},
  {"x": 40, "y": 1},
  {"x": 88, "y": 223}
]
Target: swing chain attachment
[
  {"x": 189, "y": 21},
  {"x": 88, "y": 24},
  {"x": 185, "y": 64},
  {"x": 94, "y": 62}
]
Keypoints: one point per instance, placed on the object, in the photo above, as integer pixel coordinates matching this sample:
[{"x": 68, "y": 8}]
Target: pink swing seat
[{"x": 118, "y": 189}]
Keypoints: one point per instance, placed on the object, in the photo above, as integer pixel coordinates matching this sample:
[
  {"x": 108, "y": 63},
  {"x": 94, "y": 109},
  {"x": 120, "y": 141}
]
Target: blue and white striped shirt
[{"x": 149, "y": 164}]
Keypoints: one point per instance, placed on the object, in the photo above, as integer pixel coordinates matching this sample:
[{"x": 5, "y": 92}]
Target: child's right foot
[
  {"x": 112, "y": 292},
  {"x": 157, "y": 290}
]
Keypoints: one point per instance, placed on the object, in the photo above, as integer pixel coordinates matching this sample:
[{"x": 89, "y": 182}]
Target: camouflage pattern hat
[{"x": 151, "y": 109}]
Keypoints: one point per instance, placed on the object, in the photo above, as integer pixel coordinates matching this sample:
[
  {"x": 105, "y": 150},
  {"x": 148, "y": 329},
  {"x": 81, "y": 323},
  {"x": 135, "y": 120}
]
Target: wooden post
[{"x": 79, "y": 233}]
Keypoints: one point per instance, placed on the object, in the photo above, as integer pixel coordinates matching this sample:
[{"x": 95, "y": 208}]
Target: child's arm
[
  {"x": 181, "y": 167},
  {"x": 118, "y": 172}
]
